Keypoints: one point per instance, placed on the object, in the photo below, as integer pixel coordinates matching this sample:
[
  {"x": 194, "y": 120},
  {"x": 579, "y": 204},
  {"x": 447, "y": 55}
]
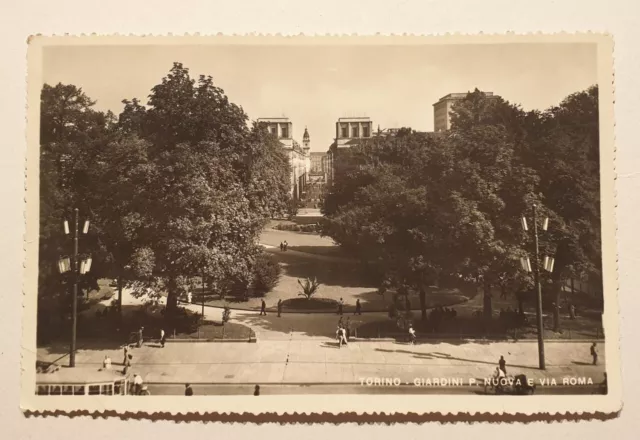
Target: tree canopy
[
  {"x": 424, "y": 204},
  {"x": 174, "y": 189}
]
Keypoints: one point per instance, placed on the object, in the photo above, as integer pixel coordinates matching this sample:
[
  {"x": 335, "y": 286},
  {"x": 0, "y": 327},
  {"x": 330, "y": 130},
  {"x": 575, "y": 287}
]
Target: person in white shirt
[
  {"x": 162, "y": 338},
  {"x": 343, "y": 337},
  {"x": 412, "y": 335},
  {"x": 137, "y": 383},
  {"x": 106, "y": 363}
]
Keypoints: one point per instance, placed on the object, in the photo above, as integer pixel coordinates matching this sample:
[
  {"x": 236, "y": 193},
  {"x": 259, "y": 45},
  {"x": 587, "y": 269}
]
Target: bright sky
[{"x": 315, "y": 85}]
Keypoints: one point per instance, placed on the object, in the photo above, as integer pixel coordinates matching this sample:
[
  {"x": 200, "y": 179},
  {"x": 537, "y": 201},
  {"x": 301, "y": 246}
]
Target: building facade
[
  {"x": 317, "y": 163},
  {"x": 316, "y": 181},
  {"x": 442, "y": 109},
  {"x": 349, "y": 132},
  {"x": 299, "y": 156}
]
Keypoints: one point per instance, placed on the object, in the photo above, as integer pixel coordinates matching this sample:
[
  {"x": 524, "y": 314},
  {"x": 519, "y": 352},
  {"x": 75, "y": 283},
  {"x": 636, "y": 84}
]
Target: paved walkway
[{"x": 319, "y": 360}]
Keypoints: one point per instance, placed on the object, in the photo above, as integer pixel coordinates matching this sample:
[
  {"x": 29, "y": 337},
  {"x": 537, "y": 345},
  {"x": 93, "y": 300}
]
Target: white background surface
[{"x": 19, "y": 19}]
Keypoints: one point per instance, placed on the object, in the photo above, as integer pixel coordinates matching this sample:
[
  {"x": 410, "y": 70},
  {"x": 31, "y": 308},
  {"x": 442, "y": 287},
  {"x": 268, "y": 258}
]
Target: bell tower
[{"x": 306, "y": 142}]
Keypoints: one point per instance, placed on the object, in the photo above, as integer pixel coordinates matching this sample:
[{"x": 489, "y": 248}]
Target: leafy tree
[
  {"x": 424, "y": 205},
  {"x": 120, "y": 197},
  {"x": 566, "y": 156},
  {"x": 173, "y": 189},
  {"x": 71, "y": 134},
  {"x": 562, "y": 145},
  {"x": 210, "y": 185}
]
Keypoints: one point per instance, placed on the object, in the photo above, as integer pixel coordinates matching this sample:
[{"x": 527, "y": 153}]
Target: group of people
[
  {"x": 340, "y": 307},
  {"x": 263, "y": 308},
  {"x": 284, "y": 245}
]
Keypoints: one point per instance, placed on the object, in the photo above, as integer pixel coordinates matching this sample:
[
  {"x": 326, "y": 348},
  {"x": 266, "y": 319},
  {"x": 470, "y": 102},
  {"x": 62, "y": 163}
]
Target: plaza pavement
[{"x": 320, "y": 361}]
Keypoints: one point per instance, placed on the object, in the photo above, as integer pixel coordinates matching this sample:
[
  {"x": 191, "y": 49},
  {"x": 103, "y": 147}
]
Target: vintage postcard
[{"x": 321, "y": 225}]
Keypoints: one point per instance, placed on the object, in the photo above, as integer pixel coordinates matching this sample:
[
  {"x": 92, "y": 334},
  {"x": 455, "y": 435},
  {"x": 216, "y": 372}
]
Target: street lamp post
[
  {"x": 548, "y": 265},
  {"x": 78, "y": 268},
  {"x": 539, "y": 293},
  {"x": 74, "y": 323}
]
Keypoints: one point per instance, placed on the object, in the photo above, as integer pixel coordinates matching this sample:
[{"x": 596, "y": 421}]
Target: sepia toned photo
[{"x": 321, "y": 224}]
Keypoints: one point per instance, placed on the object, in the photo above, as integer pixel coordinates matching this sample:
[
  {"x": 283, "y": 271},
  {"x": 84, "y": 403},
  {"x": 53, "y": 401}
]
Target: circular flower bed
[{"x": 320, "y": 304}]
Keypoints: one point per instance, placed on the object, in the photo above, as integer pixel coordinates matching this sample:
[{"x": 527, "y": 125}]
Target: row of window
[
  {"x": 344, "y": 131},
  {"x": 355, "y": 131},
  {"x": 284, "y": 131},
  {"x": 109, "y": 389}
]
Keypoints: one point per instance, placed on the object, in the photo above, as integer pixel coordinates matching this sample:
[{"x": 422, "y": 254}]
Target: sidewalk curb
[
  {"x": 478, "y": 340},
  {"x": 246, "y": 340},
  {"x": 347, "y": 311}
]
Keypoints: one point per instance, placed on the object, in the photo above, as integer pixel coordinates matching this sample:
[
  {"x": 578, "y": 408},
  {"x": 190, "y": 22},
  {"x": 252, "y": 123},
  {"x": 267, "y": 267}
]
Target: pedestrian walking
[
  {"x": 347, "y": 328},
  {"x": 572, "y": 312},
  {"x": 263, "y": 308},
  {"x": 256, "y": 390},
  {"x": 358, "y": 308},
  {"x": 162, "y": 337},
  {"x": 188, "y": 391},
  {"x": 340, "y": 306},
  {"x": 127, "y": 365},
  {"x": 412, "y": 335},
  {"x": 594, "y": 353},
  {"x": 126, "y": 354},
  {"x": 604, "y": 385},
  {"x": 279, "y": 307},
  {"x": 502, "y": 364},
  {"x": 343, "y": 337},
  {"x": 285, "y": 245},
  {"x": 281, "y": 246},
  {"x": 140, "y": 334}
]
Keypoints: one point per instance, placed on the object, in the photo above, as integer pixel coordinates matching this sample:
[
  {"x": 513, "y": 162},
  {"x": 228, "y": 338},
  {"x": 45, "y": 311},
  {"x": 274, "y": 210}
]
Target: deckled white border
[{"x": 333, "y": 403}]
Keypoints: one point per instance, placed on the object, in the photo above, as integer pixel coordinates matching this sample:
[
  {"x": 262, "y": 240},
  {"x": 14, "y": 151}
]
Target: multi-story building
[
  {"x": 349, "y": 132},
  {"x": 317, "y": 163},
  {"x": 316, "y": 181},
  {"x": 299, "y": 157},
  {"x": 442, "y": 109}
]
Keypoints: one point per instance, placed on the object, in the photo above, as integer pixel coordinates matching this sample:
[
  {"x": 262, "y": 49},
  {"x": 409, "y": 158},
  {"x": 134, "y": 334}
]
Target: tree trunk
[
  {"x": 520, "y": 304},
  {"x": 120, "y": 283},
  {"x": 486, "y": 300},
  {"x": 172, "y": 300},
  {"x": 556, "y": 310},
  {"x": 573, "y": 290},
  {"x": 423, "y": 303}
]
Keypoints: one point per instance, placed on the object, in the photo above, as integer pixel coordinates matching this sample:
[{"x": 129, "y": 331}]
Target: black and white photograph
[{"x": 281, "y": 218}]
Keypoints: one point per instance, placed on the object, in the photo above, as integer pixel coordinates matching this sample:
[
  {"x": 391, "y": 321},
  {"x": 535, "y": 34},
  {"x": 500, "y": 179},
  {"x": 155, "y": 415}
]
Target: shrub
[
  {"x": 309, "y": 228},
  {"x": 266, "y": 274},
  {"x": 297, "y": 228},
  {"x": 310, "y": 304}
]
